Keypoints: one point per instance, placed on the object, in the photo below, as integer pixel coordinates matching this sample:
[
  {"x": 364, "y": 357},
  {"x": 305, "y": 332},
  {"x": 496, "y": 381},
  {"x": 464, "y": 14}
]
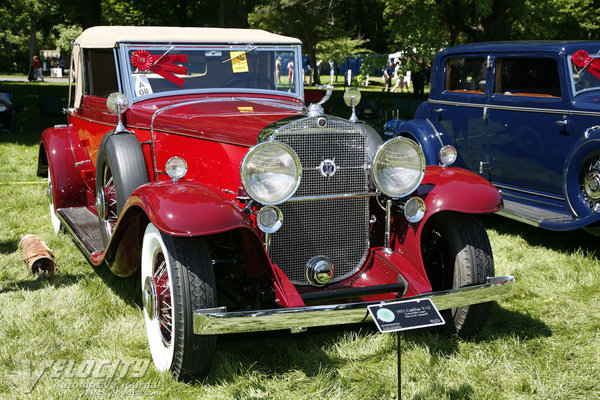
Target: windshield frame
[{"x": 127, "y": 80}]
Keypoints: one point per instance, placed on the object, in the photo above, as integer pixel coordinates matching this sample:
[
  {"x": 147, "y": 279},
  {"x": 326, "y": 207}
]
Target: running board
[
  {"x": 83, "y": 225},
  {"x": 532, "y": 215}
]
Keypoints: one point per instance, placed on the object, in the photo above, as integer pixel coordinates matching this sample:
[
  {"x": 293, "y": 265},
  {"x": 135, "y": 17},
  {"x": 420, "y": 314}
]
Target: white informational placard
[{"x": 405, "y": 315}]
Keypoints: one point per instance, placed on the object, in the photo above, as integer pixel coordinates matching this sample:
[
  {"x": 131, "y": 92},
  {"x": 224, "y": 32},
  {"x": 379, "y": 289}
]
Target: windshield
[
  {"x": 585, "y": 71},
  {"x": 157, "y": 69}
]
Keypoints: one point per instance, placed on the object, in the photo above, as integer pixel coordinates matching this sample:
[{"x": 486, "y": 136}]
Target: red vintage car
[{"x": 190, "y": 157}]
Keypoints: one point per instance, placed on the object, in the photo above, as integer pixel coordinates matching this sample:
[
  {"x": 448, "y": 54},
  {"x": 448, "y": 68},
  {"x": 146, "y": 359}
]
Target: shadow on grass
[
  {"x": 34, "y": 283},
  {"x": 29, "y": 124},
  {"x": 128, "y": 289},
  {"x": 570, "y": 242},
  {"x": 9, "y": 246},
  {"x": 274, "y": 353},
  {"x": 464, "y": 391},
  {"x": 502, "y": 322}
]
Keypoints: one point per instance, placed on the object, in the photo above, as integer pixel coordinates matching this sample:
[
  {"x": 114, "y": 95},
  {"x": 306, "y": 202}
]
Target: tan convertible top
[{"x": 108, "y": 36}]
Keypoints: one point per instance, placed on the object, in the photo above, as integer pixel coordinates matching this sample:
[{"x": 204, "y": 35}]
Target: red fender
[
  {"x": 176, "y": 209},
  {"x": 187, "y": 209},
  {"x": 55, "y": 151},
  {"x": 456, "y": 189},
  {"x": 444, "y": 189}
]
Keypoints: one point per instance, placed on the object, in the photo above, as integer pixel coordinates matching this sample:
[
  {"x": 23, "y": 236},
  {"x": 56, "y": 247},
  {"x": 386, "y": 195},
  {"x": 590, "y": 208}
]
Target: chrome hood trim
[{"x": 218, "y": 321}]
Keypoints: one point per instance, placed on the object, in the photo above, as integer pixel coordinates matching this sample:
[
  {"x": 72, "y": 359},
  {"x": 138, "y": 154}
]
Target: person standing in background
[
  {"x": 388, "y": 72},
  {"x": 419, "y": 77},
  {"x": 37, "y": 69},
  {"x": 61, "y": 64},
  {"x": 278, "y": 70},
  {"x": 6, "y": 108},
  {"x": 290, "y": 68},
  {"x": 331, "y": 71},
  {"x": 397, "y": 77}
]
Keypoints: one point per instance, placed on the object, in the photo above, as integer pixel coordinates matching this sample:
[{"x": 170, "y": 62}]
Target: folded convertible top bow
[{"x": 161, "y": 65}]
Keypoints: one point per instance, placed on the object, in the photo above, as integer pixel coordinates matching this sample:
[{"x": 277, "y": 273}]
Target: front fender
[
  {"x": 446, "y": 189},
  {"x": 187, "y": 209},
  {"x": 56, "y": 158},
  {"x": 456, "y": 189},
  {"x": 176, "y": 209}
]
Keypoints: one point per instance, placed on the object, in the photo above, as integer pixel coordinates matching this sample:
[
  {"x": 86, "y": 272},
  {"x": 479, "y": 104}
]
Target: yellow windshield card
[
  {"x": 238, "y": 61},
  {"x": 246, "y": 109}
]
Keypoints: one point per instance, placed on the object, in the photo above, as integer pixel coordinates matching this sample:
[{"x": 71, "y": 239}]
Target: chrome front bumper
[{"x": 217, "y": 321}]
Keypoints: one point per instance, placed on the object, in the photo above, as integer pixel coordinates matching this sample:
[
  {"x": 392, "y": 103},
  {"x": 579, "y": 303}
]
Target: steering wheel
[{"x": 261, "y": 81}]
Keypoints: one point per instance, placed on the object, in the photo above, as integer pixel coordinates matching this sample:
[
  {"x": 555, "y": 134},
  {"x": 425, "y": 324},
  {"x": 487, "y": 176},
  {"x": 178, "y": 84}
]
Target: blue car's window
[
  {"x": 585, "y": 71},
  {"x": 466, "y": 74},
  {"x": 527, "y": 76}
]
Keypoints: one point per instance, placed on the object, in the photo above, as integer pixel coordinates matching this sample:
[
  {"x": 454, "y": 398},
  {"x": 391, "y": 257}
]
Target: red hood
[{"x": 230, "y": 119}]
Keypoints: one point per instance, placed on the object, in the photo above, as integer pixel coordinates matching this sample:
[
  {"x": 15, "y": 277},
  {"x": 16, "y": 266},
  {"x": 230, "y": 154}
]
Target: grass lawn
[{"x": 83, "y": 335}]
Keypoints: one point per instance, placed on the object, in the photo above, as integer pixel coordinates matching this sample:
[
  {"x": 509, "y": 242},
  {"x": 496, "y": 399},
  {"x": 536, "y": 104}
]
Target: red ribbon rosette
[
  {"x": 582, "y": 59},
  {"x": 142, "y": 60},
  {"x": 161, "y": 65}
]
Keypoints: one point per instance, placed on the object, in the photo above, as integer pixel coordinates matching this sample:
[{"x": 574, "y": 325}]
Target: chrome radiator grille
[
  {"x": 340, "y": 141},
  {"x": 336, "y": 228}
]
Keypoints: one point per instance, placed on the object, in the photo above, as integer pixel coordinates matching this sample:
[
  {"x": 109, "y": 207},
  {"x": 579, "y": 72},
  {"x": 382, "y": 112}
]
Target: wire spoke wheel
[
  {"x": 177, "y": 279},
  {"x": 106, "y": 203},
  {"x": 163, "y": 293},
  {"x": 589, "y": 183}
]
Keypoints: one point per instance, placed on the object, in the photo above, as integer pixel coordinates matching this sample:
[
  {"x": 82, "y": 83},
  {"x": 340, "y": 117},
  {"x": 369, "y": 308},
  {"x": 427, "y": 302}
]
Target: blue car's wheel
[{"x": 589, "y": 183}]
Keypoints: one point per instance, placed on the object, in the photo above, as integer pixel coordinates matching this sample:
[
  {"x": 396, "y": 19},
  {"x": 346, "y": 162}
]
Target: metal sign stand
[
  {"x": 399, "y": 367},
  {"x": 403, "y": 315}
]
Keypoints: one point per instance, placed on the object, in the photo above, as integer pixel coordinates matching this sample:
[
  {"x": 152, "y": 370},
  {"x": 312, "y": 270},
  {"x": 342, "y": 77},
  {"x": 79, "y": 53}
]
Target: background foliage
[{"x": 379, "y": 26}]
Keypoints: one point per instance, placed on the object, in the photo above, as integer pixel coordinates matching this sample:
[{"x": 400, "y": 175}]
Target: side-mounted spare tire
[{"x": 120, "y": 169}]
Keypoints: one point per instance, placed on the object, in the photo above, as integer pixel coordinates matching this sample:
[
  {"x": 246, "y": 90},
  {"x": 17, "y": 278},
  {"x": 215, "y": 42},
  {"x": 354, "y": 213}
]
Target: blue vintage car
[{"x": 526, "y": 116}]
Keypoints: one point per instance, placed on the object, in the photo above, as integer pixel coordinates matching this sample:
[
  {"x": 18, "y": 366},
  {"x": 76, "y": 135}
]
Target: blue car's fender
[{"x": 421, "y": 131}]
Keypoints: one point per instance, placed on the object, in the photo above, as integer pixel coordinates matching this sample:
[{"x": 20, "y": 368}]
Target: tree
[
  {"x": 340, "y": 49},
  {"x": 234, "y": 13},
  {"x": 559, "y": 19},
  {"x": 325, "y": 23},
  {"x": 90, "y": 13},
  {"x": 425, "y": 26},
  {"x": 25, "y": 24},
  {"x": 298, "y": 18},
  {"x": 222, "y": 13}
]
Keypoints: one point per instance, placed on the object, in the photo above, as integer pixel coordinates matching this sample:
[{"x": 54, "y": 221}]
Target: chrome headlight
[
  {"x": 176, "y": 168},
  {"x": 398, "y": 167},
  {"x": 271, "y": 173},
  {"x": 448, "y": 155}
]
